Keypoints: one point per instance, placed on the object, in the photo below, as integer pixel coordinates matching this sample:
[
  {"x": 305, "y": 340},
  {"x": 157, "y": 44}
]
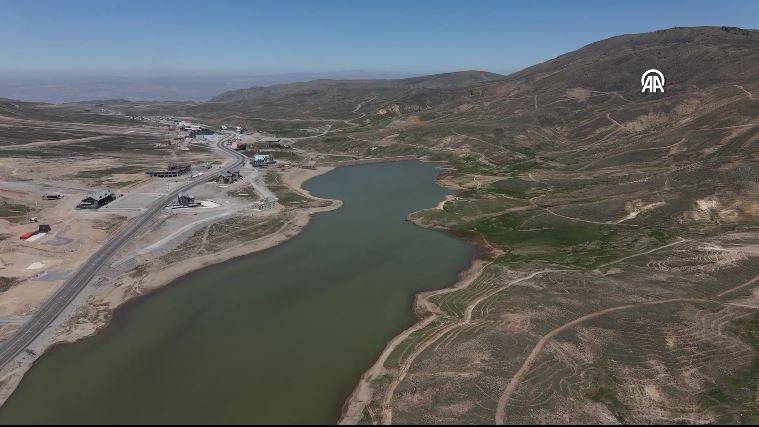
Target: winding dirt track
[
  {"x": 387, "y": 409},
  {"x": 749, "y": 94},
  {"x": 500, "y": 413}
]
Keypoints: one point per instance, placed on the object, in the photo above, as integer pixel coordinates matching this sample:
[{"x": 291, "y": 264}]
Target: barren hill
[
  {"x": 620, "y": 230},
  {"x": 699, "y": 56},
  {"x": 435, "y": 81}
]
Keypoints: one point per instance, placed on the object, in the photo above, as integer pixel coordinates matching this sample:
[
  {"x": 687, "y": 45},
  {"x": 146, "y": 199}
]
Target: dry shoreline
[
  {"x": 92, "y": 312},
  {"x": 98, "y": 314},
  {"x": 424, "y": 310}
]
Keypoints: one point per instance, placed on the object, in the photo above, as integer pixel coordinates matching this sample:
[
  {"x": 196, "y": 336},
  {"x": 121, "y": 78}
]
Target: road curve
[{"x": 55, "y": 305}]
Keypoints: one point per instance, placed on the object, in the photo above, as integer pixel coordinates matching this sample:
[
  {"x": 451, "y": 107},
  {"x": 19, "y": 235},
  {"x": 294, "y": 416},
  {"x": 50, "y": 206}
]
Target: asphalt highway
[{"x": 54, "y": 306}]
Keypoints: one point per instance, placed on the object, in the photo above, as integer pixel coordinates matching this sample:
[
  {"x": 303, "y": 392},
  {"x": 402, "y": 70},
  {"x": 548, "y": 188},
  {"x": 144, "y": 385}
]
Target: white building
[{"x": 261, "y": 159}]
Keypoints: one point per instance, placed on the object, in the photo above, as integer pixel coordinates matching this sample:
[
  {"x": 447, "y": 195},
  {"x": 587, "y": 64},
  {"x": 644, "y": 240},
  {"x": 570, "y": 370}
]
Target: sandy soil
[{"x": 74, "y": 237}]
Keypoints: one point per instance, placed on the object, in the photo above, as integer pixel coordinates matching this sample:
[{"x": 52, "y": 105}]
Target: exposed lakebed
[{"x": 277, "y": 336}]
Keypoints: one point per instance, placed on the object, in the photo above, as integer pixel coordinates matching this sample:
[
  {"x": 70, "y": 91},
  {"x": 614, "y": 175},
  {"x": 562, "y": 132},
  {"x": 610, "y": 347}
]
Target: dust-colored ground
[
  {"x": 177, "y": 241},
  {"x": 38, "y": 161},
  {"x": 588, "y": 308},
  {"x": 619, "y": 283}
]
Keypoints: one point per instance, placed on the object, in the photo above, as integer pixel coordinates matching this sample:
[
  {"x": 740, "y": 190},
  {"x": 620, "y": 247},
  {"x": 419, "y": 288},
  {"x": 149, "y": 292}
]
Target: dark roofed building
[
  {"x": 52, "y": 196},
  {"x": 228, "y": 177},
  {"x": 171, "y": 171},
  {"x": 185, "y": 200},
  {"x": 96, "y": 200}
]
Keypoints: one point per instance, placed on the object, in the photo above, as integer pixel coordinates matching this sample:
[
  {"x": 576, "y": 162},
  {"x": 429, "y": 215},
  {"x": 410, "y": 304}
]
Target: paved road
[{"x": 55, "y": 305}]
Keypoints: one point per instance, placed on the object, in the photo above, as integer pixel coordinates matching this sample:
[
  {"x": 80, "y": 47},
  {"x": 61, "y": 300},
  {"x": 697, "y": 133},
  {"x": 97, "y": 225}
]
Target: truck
[
  {"x": 27, "y": 235},
  {"x": 43, "y": 228}
]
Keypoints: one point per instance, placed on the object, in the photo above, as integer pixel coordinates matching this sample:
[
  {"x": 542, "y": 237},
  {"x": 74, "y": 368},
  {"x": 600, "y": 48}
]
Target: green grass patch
[
  {"x": 14, "y": 212},
  {"x": 288, "y": 155},
  {"x": 604, "y": 390},
  {"x": 554, "y": 240},
  {"x": 107, "y": 172},
  {"x": 247, "y": 193},
  {"x": 286, "y": 196},
  {"x": 7, "y": 282},
  {"x": 472, "y": 166},
  {"x": 514, "y": 187},
  {"x": 734, "y": 398}
]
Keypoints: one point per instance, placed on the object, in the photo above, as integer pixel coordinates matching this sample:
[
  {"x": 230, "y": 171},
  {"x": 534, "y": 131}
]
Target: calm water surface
[{"x": 278, "y": 336}]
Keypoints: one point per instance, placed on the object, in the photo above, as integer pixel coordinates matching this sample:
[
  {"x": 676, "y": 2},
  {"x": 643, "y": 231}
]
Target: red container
[{"x": 27, "y": 235}]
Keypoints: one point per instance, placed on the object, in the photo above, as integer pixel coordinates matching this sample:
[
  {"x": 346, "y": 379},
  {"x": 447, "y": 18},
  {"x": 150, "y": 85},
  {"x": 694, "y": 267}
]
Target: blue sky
[{"x": 311, "y": 36}]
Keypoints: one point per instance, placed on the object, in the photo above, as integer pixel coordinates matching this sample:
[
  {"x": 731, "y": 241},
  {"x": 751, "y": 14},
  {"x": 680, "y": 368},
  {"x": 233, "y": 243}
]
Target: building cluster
[
  {"x": 194, "y": 129},
  {"x": 238, "y": 129}
]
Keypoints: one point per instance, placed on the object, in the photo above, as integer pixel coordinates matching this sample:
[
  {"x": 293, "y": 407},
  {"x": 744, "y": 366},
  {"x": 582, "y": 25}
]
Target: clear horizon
[{"x": 195, "y": 38}]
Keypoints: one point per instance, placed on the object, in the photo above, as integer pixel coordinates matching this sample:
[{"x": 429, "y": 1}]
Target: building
[
  {"x": 228, "y": 177},
  {"x": 197, "y": 130},
  {"x": 194, "y": 130},
  {"x": 278, "y": 146},
  {"x": 264, "y": 204},
  {"x": 238, "y": 145},
  {"x": 97, "y": 200},
  {"x": 261, "y": 160},
  {"x": 171, "y": 171},
  {"x": 185, "y": 200},
  {"x": 52, "y": 196}
]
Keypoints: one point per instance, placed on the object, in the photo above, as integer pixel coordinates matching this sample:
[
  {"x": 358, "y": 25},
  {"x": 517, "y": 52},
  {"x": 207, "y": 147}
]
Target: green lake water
[{"x": 278, "y": 336}]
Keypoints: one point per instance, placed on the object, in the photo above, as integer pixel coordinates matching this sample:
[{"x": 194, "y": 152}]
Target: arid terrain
[
  {"x": 619, "y": 230},
  {"x": 73, "y": 151}
]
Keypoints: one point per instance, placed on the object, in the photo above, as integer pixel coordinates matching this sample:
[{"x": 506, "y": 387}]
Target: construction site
[{"x": 51, "y": 224}]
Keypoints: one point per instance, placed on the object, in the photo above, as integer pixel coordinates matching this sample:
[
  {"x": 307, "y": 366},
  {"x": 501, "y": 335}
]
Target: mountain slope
[
  {"x": 622, "y": 229},
  {"x": 619, "y": 230},
  {"x": 593, "y": 95},
  {"x": 691, "y": 56},
  {"x": 436, "y": 81}
]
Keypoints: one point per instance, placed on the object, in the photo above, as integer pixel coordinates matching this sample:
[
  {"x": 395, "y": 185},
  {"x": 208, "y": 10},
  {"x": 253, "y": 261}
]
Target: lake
[{"x": 278, "y": 336}]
